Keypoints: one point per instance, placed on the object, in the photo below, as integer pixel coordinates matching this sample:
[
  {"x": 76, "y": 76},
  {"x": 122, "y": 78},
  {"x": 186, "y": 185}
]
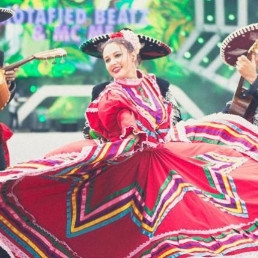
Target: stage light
[
  {"x": 210, "y": 18},
  {"x": 200, "y": 40},
  {"x": 209, "y": 11},
  {"x": 231, "y": 17},
  {"x": 187, "y": 55},
  {"x": 231, "y": 11},
  {"x": 39, "y": 120},
  {"x": 33, "y": 88},
  {"x": 42, "y": 118},
  {"x": 184, "y": 33},
  {"x": 206, "y": 60},
  {"x": 198, "y": 45}
]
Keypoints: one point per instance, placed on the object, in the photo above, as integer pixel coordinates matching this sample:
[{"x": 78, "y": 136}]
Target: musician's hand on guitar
[
  {"x": 10, "y": 75},
  {"x": 247, "y": 68}
]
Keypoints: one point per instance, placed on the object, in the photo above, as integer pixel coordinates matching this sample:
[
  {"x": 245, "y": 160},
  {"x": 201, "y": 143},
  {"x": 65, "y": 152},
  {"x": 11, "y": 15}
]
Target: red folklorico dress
[{"x": 180, "y": 191}]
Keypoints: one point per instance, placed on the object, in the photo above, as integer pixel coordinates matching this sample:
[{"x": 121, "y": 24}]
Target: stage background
[{"x": 55, "y": 96}]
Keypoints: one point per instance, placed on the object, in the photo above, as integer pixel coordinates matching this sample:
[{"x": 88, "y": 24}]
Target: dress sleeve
[{"x": 115, "y": 117}]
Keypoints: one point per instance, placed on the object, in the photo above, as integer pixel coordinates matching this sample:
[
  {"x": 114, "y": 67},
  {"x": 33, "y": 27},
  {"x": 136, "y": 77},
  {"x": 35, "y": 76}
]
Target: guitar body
[
  {"x": 243, "y": 105},
  {"x": 4, "y": 91}
]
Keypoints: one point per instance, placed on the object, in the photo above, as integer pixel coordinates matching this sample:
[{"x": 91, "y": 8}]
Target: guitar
[
  {"x": 45, "y": 55},
  {"x": 243, "y": 102}
]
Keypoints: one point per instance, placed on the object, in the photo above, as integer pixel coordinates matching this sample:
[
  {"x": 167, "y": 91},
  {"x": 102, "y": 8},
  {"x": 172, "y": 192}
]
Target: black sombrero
[
  {"x": 152, "y": 48},
  {"x": 239, "y": 42},
  {"x": 5, "y": 14}
]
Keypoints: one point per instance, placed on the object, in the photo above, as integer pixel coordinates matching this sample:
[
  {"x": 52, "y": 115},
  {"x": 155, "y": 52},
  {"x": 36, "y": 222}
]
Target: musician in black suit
[
  {"x": 248, "y": 70},
  {"x": 243, "y": 55}
]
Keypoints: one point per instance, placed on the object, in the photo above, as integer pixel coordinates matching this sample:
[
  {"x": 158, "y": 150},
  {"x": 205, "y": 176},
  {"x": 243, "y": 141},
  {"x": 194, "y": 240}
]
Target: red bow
[{"x": 116, "y": 35}]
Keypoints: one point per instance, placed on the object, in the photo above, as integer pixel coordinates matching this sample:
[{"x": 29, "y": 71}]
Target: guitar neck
[
  {"x": 239, "y": 86},
  {"x": 18, "y": 64}
]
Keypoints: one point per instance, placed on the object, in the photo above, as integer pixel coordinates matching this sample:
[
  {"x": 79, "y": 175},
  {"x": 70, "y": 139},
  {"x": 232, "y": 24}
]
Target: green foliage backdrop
[{"x": 171, "y": 21}]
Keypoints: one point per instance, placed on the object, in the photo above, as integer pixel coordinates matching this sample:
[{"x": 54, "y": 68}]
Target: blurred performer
[
  {"x": 7, "y": 91},
  {"x": 240, "y": 49}
]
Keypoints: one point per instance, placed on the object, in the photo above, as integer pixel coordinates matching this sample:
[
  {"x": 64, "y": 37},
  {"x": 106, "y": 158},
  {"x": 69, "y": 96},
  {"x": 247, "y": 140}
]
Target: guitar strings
[{"x": 47, "y": 60}]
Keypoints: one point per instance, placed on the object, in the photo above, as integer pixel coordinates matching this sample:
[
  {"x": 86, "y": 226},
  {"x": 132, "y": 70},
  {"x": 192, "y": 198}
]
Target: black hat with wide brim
[
  {"x": 239, "y": 42},
  {"x": 152, "y": 48},
  {"x": 5, "y": 14}
]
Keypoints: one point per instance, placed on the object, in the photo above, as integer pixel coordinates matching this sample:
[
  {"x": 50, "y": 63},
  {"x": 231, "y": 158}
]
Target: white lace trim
[
  {"x": 192, "y": 232},
  {"x": 8, "y": 246}
]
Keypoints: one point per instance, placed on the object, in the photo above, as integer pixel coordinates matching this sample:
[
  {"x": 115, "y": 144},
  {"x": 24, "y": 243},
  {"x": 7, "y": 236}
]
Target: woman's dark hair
[{"x": 122, "y": 41}]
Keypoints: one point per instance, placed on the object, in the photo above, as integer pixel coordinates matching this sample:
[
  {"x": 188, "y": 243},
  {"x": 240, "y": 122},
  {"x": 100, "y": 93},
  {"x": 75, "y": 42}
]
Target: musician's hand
[
  {"x": 247, "y": 68},
  {"x": 10, "y": 75}
]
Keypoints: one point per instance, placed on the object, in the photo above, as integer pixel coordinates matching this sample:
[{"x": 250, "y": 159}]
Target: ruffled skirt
[{"x": 196, "y": 195}]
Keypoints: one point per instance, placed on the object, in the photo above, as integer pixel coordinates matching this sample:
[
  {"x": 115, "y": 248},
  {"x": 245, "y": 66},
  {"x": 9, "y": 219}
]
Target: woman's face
[{"x": 119, "y": 62}]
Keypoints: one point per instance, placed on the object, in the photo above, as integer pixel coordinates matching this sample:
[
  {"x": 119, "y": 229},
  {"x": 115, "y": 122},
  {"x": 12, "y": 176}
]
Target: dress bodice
[
  {"x": 145, "y": 95},
  {"x": 140, "y": 97}
]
